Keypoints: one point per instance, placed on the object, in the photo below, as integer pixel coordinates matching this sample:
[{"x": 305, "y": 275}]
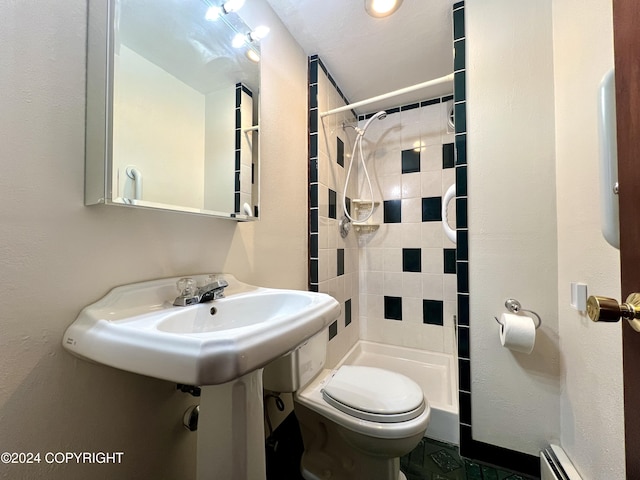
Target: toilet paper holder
[{"x": 514, "y": 306}]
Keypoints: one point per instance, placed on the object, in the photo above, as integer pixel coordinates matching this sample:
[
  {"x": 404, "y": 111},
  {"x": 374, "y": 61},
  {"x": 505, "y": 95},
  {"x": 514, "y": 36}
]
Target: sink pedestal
[{"x": 231, "y": 430}]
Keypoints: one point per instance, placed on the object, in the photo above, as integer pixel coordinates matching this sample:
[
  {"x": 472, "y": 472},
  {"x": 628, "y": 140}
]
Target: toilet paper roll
[{"x": 517, "y": 332}]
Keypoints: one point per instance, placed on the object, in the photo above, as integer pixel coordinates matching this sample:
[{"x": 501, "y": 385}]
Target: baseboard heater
[{"x": 555, "y": 465}]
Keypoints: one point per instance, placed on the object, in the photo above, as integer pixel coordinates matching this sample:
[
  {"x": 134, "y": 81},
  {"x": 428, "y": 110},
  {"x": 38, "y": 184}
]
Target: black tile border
[
  {"x": 238, "y": 146},
  {"x": 470, "y": 448},
  {"x": 312, "y": 174},
  {"x": 410, "y": 106}
]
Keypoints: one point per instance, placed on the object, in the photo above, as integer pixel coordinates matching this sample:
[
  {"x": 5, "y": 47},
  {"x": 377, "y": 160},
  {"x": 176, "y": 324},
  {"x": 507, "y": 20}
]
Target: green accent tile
[
  {"x": 448, "y": 154},
  {"x": 489, "y": 473},
  {"x": 459, "y": 87},
  {"x": 461, "y": 149},
  {"x": 393, "y": 308},
  {"x": 333, "y": 330},
  {"x": 458, "y": 24},
  {"x": 431, "y": 209},
  {"x": 411, "y": 260},
  {"x": 459, "y": 60},
  {"x": 410, "y": 161},
  {"x": 340, "y": 261},
  {"x": 392, "y": 211},
  {"x": 432, "y": 312},
  {"x": 461, "y": 181},
  {"x": 449, "y": 260},
  {"x": 445, "y": 461},
  {"x": 460, "y": 113}
]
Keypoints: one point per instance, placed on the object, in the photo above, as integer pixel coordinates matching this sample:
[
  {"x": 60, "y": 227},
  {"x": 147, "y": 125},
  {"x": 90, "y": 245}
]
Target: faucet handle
[{"x": 187, "y": 287}]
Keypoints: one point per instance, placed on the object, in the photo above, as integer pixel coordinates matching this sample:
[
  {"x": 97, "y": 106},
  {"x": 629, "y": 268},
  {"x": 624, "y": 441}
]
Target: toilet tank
[{"x": 296, "y": 369}]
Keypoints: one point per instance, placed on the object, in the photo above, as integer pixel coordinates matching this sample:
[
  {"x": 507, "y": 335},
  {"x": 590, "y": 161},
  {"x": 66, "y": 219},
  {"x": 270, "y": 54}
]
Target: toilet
[{"x": 355, "y": 421}]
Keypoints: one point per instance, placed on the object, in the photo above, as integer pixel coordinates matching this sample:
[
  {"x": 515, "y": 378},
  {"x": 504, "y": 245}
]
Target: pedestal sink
[{"x": 220, "y": 346}]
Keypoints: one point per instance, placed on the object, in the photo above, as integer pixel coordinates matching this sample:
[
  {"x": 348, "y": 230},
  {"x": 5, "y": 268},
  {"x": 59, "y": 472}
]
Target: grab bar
[
  {"x": 136, "y": 175},
  {"x": 448, "y": 196}
]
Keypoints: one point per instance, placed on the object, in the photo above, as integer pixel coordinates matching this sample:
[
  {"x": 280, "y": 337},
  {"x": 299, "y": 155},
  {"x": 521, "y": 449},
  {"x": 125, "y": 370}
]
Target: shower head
[{"x": 379, "y": 115}]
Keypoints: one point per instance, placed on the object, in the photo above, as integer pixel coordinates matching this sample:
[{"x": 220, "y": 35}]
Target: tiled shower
[
  {"x": 400, "y": 281},
  {"x": 395, "y": 276}
]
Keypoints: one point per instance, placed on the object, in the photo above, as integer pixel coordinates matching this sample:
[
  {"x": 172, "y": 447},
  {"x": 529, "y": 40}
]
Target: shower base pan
[{"x": 436, "y": 373}]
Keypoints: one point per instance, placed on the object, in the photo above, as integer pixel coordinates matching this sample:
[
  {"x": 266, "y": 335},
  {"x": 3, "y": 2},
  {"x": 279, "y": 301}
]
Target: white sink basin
[{"x": 137, "y": 328}]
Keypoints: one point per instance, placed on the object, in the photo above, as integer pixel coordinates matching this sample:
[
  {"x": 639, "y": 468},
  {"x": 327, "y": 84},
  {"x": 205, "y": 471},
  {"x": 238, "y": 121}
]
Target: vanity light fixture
[
  {"x": 227, "y": 7},
  {"x": 252, "y": 37},
  {"x": 381, "y": 8}
]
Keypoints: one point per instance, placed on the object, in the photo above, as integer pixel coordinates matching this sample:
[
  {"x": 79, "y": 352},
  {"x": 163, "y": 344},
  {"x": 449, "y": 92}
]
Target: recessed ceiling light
[{"x": 381, "y": 8}]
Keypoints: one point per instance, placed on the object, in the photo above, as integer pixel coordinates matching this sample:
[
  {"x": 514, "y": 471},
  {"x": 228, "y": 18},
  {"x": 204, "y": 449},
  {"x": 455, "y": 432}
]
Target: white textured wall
[
  {"x": 56, "y": 255},
  {"x": 591, "y": 357},
  {"x": 512, "y": 218}
]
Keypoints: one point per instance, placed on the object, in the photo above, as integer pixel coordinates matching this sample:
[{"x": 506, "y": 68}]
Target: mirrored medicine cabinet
[{"x": 172, "y": 108}]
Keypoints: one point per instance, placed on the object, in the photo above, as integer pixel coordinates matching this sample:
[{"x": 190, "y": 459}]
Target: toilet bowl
[{"x": 355, "y": 421}]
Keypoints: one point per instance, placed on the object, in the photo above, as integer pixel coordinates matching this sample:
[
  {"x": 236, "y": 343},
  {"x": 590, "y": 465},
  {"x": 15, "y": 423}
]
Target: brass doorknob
[{"x": 604, "y": 309}]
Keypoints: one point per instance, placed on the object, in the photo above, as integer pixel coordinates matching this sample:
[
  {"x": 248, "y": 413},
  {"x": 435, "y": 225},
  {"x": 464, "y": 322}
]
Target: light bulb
[
  {"x": 212, "y": 13},
  {"x": 238, "y": 41},
  {"x": 381, "y": 8},
  {"x": 232, "y": 5},
  {"x": 259, "y": 32}
]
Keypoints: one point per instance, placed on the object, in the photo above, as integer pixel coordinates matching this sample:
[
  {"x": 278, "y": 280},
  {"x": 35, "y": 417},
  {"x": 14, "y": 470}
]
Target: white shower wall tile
[
  {"x": 392, "y": 260},
  {"x": 431, "y": 158},
  {"x": 412, "y": 310},
  {"x": 391, "y": 187},
  {"x": 432, "y": 286},
  {"x": 392, "y": 285},
  {"x": 412, "y": 285},
  {"x": 432, "y": 235},
  {"x": 432, "y": 260},
  {"x": 448, "y": 178},
  {"x": 450, "y": 287},
  {"x": 411, "y": 185},
  {"x": 375, "y": 283},
  {"x": 323, "y": 168},
  {"x": 411, "y": 235},
  {"x": 323, "y": 265},
  {"x": 449, "y": 341},
  {"x": 450, "y": 310},
  {"x": 393, "y": 238},
  {"x": 432, "y": 183},
  {"x": 412, "y": 210},
  {"x": 388, "y": 162}
]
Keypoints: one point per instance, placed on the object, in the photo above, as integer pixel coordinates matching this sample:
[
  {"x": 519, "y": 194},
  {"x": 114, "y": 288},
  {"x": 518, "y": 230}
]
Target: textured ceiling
[{"x": 371, "y": 56}]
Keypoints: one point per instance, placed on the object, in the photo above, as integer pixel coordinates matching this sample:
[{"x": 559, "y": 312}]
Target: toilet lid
[{"x": 374, "y": 394}]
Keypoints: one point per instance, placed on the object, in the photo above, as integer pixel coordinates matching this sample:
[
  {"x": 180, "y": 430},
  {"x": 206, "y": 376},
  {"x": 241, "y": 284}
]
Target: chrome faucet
[{"x": 190, "y": 293}]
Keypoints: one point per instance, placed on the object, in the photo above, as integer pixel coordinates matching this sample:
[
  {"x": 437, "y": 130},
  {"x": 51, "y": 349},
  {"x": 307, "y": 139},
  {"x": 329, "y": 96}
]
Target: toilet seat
[{"x": 374, "y": 394}]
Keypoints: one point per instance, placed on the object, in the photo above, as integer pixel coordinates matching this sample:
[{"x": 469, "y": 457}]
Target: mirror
[{"x": 172, "y": 108}]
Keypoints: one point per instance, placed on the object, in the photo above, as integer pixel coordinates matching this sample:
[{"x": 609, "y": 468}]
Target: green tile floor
[
  {"x": 430, "y": 460},
  {"x": 433, "y": 460}
]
